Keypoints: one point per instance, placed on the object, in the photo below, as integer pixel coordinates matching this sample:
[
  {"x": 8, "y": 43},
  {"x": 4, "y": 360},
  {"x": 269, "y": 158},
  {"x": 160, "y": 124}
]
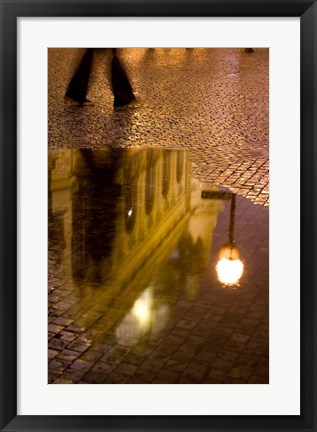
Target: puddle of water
[{"x": 139, "y": 248}]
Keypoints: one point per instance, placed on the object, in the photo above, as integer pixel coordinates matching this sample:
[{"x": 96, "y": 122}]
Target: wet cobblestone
[
  {"x": 213, "y": 102},
  {"x": 218, "y": 337}
]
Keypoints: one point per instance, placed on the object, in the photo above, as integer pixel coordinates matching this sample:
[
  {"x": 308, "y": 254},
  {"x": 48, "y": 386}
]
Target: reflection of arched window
[
  {"x": 150, "y": 183},
  {"x": 130, "y": 198},
  {"x": 166, "y": 172},
  {"x": 179, "y": 166}
]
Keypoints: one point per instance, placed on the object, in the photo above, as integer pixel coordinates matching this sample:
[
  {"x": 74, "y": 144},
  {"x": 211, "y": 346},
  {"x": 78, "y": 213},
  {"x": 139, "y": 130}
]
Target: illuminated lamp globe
[{"x": 229, "y": 267}]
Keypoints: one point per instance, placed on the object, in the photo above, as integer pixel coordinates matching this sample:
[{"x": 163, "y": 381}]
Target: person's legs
[
  {"x": 121, "y": 87},
  {"x": 78, "y": 86}
]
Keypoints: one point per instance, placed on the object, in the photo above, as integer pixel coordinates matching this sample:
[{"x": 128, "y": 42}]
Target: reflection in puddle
[
  {"x": 144, "y": 317},
  {"x": 141, "y": 249},
  {"x": 229, "y": 270}
]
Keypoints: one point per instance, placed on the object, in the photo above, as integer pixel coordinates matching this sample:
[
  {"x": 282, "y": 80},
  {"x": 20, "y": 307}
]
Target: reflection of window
[
  {"x": 130, "y": 206},
  {"x": 149, "y": 184},
  {"x": 166, "y": 173},
  {"x": 179, "y": 166}
]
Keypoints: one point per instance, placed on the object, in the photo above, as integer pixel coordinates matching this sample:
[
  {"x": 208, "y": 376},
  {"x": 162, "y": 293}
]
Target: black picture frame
[{"x": 10, "y": 11}]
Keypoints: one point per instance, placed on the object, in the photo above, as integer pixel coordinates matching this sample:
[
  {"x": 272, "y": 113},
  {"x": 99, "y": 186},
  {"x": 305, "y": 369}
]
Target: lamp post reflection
[{"x": 229, "y": 266}]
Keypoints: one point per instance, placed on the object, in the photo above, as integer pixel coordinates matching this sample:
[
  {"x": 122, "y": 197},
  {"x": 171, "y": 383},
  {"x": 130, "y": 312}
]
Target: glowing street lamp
[{"x": 229, "y": 267}]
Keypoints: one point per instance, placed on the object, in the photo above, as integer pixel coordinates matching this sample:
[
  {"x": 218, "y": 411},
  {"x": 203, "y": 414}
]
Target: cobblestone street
[
  {"x": 213, "y": 102},
  {"x": 142, "y": 201}
]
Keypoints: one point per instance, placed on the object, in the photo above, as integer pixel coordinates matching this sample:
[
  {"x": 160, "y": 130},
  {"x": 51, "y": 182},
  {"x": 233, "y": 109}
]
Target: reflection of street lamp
[{"x": 229, "y": 267}]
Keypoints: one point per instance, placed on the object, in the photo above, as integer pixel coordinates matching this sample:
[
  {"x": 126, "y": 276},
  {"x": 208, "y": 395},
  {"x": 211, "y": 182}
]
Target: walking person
[{"x": 121, "y": 88}]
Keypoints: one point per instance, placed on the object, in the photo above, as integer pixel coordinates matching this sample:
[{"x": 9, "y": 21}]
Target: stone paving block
[
  {"x": 260, "y": 336},
  {"x": 62, "y": 321},
  {"x": 92, "y": 356},
  {"x": 103, "y": 367},
  {"x": 255, "y": 379},
  {"x": 234, "y": 346},
  {"x": 240, "y": 373},
  {"x": 213, "y": 348},
  {"x": 192, "y": 316},
  {"x": 257, "y": 347},
  {"x": 212, "y": 381},
  {"x": 160, "y": 356},
  {"x": 212, "y": 317},
  {"x": 217, "y": 374},
  {"x": 246, "y": 330},
  {"x": 185, "y": 324},
  {"x": 61, "y": 306},
  {"x": 218, "y": 339},
  {"x": 217, "y": 311},
  {"x": 155, "y": 381},
  {"x": 262, "y": 369},
  {"x": 134, "y": 359},
  {"x": 190, "y": 376},
  {"x": 53, "y": 374},
  {"x": 175, "y": 365},
  {"x": 183, "y": 356},
  {"x": 169, "y": 376},
  {"x": 222, "y": 331},
  {"x": 74, "y": 328},
  {"x": 93, "y": 378},
  {"x": 78, "y": 346},
  {"x": 196, "y": 340},
  {"x": 153, "y": 365},
  {"x": 230, "y": 356},
  {"x": 178, "y": 331},
  {"x": 52, "y": 353},
  {"x": 142, "y": 375},
  {"x": 142, "y": 350},
  {"x": 231, "y": 380},
  {"x": 202, "y": 332},
  {"x": 248, "y": 360},
  {"x": 198, "y": 366},
  {"x": 125, "y": 369},
  {"x": 67, "y": 336},
  {"x": 62, "y": 381},
  {"x": 73, "y": 375},
  {"x": 58, "y": 364},
  {"x": 52, "y": 298},
  {"x": 109, "y": 340},
  {"x": 57, "y": 344},
  {"x": 112, "y": 358},
  {"x": 206, "y": 357},
  {"x": 240, "y": 338},
  {"x": 68, "y": 355},
  {"x": 80, "y": 364},
  {"x": 186, "y": 304},
  {"x": 167, "y": 348},
  {"x": 221, "y": 364},
  {"x": 173, "y": 340}
]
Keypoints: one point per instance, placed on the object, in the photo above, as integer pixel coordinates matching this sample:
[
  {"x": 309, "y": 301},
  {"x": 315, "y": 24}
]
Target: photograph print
[{"x": 158, "y": 215}]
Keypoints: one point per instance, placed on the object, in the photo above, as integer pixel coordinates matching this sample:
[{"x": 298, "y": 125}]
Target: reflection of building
[
  {"x": 60, "y": 190},
  {"x": 135, "y": 228}
]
